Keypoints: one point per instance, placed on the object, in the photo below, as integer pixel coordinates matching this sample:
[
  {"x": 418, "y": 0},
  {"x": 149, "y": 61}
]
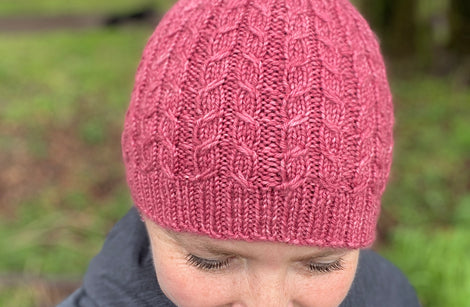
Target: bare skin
[{"x": 248, "y": 274}]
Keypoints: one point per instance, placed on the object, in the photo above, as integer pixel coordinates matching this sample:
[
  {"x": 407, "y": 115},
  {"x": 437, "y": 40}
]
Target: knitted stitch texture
[{"x": 261, "y": 120}]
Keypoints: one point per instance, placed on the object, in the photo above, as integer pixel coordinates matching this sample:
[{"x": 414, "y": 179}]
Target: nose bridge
[{"x": 268, "y": 286}]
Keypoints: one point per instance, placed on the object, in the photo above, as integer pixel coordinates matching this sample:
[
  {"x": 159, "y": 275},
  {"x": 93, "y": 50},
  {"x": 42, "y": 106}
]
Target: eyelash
[
  {"x": 206, "y": 264},
  {"x": 214, "y": 265}
]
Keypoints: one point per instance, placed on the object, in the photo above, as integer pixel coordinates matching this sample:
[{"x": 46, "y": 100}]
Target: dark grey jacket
[{"x": 122, "y": 274}]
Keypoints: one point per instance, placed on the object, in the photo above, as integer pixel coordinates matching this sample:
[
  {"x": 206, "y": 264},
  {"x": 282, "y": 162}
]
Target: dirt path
[
  {"x": 44, "y": 291},
  {"x": 43, "y": 23}
]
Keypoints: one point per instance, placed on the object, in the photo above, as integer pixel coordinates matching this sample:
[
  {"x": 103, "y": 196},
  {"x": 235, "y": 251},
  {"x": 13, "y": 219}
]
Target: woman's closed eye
[
  {"x": 207, "y": 264},
  {"x": 216, "y": 265}
]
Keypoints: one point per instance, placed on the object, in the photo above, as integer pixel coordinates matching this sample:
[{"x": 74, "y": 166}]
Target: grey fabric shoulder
[
  {"x": 122, "y": 274},
  {"x": 379, "y": 283},
  {"x": 79, "y": 298}
]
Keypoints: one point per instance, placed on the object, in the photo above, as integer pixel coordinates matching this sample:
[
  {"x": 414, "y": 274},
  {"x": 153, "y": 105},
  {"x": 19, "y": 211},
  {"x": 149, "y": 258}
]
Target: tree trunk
[
  {"x": 394, "y": 21},
  {"x": 459, "y": 19}
]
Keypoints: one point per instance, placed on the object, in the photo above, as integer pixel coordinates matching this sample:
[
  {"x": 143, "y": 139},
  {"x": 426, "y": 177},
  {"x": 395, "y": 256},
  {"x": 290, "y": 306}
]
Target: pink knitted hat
[{"x": 261, "y": 120}]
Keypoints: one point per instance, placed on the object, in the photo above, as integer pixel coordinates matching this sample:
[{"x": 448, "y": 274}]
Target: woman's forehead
[{"x": 241, "y": 247}]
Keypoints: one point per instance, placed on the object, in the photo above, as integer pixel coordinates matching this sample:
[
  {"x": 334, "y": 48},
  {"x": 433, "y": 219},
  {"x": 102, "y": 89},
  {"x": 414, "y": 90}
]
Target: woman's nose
[
  {"x": 267, "y": 288},
  {"x": 265, "y": 301},
  {"x": 261, "y": 304}
]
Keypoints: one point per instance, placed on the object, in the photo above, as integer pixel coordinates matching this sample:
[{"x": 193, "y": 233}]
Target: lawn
[{"x": 63, "y": 99}]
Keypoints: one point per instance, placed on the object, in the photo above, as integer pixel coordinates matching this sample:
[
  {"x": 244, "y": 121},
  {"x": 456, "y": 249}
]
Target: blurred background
[{"x": 66, "y": 74}]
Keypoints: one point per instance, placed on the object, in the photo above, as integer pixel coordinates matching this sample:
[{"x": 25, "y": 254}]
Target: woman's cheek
[
  {"x": 188, "y": 288},
  {"x": 329, "y": 291}
]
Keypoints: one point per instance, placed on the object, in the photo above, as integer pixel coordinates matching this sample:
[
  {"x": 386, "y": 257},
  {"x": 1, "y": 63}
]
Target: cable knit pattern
[{"x": 261, "y": 120}]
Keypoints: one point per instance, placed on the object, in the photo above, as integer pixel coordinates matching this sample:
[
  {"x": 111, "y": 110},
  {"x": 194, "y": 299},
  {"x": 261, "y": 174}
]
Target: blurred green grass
[
  {"x": 428, "y": 183},
  {"x": 435, "y": 261},
  {"x": 63, "y": 98},
  {"x": 428, "y": 196}
]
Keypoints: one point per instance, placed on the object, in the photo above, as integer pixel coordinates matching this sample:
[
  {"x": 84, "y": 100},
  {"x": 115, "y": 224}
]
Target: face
[{"x": 198, "y": 271}]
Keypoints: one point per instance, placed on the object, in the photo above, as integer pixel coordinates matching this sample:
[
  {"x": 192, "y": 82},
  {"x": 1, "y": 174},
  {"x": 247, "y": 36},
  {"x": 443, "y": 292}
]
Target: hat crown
[{"x": 263, "y": 120}]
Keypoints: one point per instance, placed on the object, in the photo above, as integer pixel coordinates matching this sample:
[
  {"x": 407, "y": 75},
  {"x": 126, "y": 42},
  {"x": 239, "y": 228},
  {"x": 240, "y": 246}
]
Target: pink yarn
[{"x": 261, "y": 120}]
